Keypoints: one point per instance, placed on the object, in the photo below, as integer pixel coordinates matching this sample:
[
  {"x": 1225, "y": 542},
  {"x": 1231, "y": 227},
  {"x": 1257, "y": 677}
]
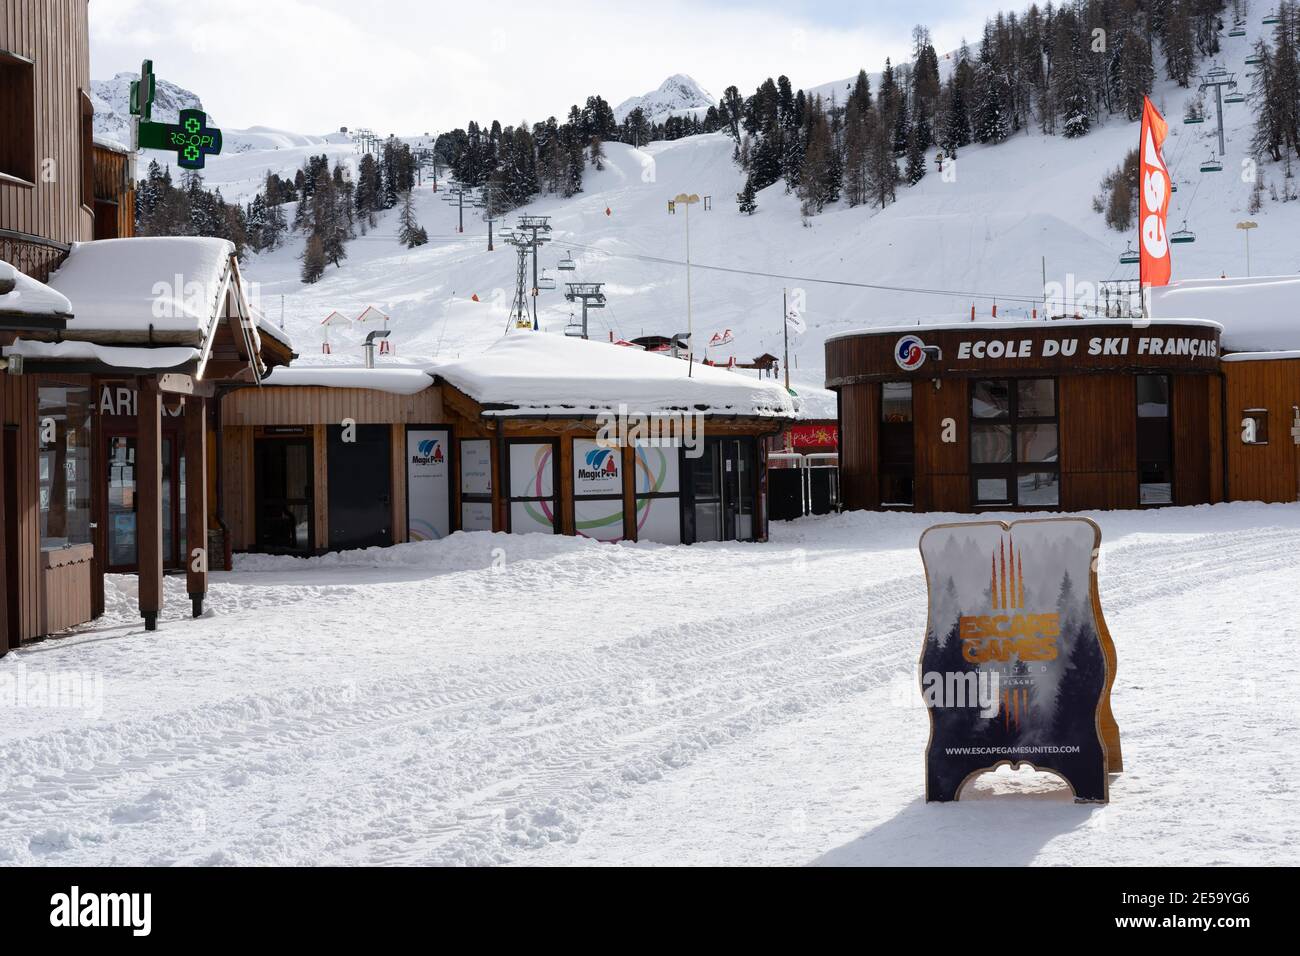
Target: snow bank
[
  {"x": 539, "y": 372},
  {"x": 1258, "y": 314},
  {"x": 399, "y": 381},
  {"x": 114, "y": 355},
  {"x": 28, "y": 296},
  {"x": 167, "y": 283}
]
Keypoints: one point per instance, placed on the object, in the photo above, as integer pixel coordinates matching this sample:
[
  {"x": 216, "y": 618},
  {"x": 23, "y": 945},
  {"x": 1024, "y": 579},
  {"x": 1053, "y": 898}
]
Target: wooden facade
[
  {"x": 1095, "y": 408},
  {"x": 304, "y": 413},
  {"x": 1267, "y": 470},
  {"x": 50, "y": 38}
]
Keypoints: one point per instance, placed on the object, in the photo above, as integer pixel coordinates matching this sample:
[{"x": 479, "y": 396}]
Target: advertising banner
[
  {"x": 428, "y": 489},
  {"x": 1154, "y": 188},
  {"x": 1017, "y": 663},
  {"x": 476, "y": 467}
]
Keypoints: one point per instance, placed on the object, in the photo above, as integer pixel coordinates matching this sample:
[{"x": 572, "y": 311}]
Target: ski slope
[
  {"x": 429, "y": 704},
  {"x": 1010, "y": 212}
]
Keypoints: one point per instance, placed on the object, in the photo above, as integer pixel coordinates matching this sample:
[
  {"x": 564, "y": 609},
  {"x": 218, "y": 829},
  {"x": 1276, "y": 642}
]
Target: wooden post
[
  {"x": 98, "y": 501},
  {"x": 196, "y": 501},
  {"x": 148, "y": 488},
  {"x": 7, "y": 640}
]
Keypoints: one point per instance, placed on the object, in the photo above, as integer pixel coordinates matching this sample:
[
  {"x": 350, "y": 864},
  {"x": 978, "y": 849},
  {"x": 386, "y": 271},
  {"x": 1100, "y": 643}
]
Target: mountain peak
[{"x": 677, "y": 94}]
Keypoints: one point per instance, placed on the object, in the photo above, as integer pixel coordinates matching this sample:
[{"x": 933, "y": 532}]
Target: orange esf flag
[{"x": 1153, "y": 199}]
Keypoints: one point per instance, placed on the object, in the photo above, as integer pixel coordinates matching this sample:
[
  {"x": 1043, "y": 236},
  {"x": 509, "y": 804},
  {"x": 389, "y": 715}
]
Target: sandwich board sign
[{"x": 1017, "y": 663}]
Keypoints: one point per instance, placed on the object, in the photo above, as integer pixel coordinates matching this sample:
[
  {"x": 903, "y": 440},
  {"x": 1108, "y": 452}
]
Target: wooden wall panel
[
  {"x": 860, "y": 446},
  {"x": 1191, "y": 416},
  {"x": 1268, "y": 472},
  {"x": 1098, "y": 420},
  {"x": 54, "y": 35},
  {"x": 320, "y": 487},
  {"x": 317, "y": 405},
  {"x": 66, "y": 592}
]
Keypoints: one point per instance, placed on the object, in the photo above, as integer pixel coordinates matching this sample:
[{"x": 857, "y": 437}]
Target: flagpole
[{"x": 785, "y": 335}]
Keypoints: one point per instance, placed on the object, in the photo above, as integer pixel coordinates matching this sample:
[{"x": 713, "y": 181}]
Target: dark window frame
[
  {"x": 1012, "y": 470},
  {"x": 1261, "y": 419},
  {"x": 474, "y": 498},
  {"x": 15, "y": 168},
  {"x": 896, "y": 467},
  {"x": 557, "y": 519},
  {"x": 1139, "y": 458},
  {"x": 680, "y": 494}
]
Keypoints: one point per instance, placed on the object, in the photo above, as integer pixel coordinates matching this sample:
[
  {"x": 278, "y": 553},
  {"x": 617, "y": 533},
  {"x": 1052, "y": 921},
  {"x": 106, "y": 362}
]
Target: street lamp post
[
  {"x": 1245, "y": 226},
  {"x": 688, "y": 201}
]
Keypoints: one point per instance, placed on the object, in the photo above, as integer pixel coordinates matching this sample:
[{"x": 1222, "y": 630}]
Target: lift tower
[
  {"x": 1218, "y": 78},
  {"x": 590, "y": 295},
  {"x": 538, "y": 227}
]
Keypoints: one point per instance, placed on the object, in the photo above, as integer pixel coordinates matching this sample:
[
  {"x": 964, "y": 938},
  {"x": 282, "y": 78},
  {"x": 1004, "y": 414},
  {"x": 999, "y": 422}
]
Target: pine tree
[
  {"x": 915, "y": 157},
  {"x": 746, "y": 200},
  {"x": 313, "y": 260},
  {"x": 410, "y": 233}
]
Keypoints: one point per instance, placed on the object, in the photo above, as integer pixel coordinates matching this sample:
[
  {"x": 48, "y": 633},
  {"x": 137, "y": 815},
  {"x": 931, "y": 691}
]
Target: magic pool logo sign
[
  {"x": 602, "y": 465},
  {"x": 1015, "y": 621},
  {"x": 909, "y": 353},
  {"x": 428, "y": 452}
]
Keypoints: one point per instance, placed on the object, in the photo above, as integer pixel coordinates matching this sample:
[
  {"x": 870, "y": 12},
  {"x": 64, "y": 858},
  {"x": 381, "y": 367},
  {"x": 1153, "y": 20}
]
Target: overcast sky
[{"x": 411, "y": 66}]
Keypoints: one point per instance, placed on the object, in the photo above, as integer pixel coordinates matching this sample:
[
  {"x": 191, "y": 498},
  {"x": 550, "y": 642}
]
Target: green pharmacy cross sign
[{"x": 192, "y": 138}]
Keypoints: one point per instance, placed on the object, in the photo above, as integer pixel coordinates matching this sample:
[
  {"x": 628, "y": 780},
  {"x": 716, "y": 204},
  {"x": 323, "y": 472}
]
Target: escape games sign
[{"x": 1017, "y": 664}]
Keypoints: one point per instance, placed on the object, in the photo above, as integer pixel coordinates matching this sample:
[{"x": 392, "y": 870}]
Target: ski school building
[
  {"x": 540, "y": 433},
  {"x": 1199, "y": 404}
]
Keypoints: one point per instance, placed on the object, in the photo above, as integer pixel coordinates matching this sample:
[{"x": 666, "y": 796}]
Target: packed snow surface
[
  {"x": 536, "y": 372},
  {"x": 551, "y": 700},
  {"x": 399, "y": 381}
]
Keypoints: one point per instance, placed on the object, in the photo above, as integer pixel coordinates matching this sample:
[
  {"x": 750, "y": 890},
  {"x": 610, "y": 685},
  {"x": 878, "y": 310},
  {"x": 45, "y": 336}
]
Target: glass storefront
[{"x": 64, "y": 429}]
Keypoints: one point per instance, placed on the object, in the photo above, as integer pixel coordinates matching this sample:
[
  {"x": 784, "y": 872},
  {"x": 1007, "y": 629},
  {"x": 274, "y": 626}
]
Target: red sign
[
  {"x": 1154, "y": 189},
  {"x": 814, "y": 436}
]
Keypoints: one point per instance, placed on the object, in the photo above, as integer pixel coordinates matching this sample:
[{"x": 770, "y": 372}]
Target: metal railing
[{"x": 32, "y": 255}]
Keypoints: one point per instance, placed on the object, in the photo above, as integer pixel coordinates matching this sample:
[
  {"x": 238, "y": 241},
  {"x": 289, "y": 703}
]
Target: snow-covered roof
[
  {"x": 542, "y": 373},
  {"x": 948, "y": 325},
  {"x": 29, "y": 297},
  {"x": 399, "y": 381},
  {"x": 371, "y": 314},
  {"x": 1260, "y": 314},
  {"x": 1292, "y": 354},
  {"x": 169, "y": 284},
  {"x": 118, "y": 356}
]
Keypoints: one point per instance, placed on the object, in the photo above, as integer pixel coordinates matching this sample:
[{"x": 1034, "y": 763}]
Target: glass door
[
  {"x": 284, "y": 494},
  {"x": 123, "y": 502},
  {"x": 722, "y": 482}
]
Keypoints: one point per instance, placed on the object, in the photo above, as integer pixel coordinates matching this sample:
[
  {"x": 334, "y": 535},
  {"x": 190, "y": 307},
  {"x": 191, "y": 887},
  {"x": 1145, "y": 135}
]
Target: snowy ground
[{"x": 558, "y": 701}]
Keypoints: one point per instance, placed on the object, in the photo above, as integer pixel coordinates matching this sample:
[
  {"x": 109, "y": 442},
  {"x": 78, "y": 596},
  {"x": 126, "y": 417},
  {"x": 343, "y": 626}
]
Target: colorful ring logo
[{"x": 909, "y": 353}]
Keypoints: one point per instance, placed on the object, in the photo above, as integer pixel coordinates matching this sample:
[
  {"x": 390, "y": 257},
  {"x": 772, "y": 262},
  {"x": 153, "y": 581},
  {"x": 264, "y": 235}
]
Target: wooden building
[
  {"x": 1063, "y": 415},
  {"x": 539, "y": 434}
]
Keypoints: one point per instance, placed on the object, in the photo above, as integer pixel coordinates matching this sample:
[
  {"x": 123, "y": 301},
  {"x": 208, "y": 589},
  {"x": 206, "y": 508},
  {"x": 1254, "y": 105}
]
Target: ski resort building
[
  {"x": 1077, "y": 414},
  {"x": 541, "y": 433}
]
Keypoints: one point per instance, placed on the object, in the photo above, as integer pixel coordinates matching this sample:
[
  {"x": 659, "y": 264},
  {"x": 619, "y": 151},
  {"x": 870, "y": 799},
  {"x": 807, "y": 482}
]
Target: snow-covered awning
[
  {"x": 124, "y": 357},
  {"x": 26, "y": 303},
  {"x": 1260, "y": 314},
  {"x": 535, "y": 373},
  {"x": 164, "y": 291}
]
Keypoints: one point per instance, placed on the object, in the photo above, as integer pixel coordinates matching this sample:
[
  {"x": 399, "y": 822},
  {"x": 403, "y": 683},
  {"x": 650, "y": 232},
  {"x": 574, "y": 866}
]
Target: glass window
[
  {"x": 990, "y": 400},
  {"x": 658, "y": 487},
  {"x": 63, "y": 429},
  {"x": 897, "y": 445},
  {"x": 1154, "y": 441},
  {"x": 1013, "y": 460},
  {"x": 532, "y": 487},
  {"x": 1036, "y": 398},
  {"x": 1254, "y": 426},
  {"x": 18, "y": 107},
  {"x": 896, "y": 402}
]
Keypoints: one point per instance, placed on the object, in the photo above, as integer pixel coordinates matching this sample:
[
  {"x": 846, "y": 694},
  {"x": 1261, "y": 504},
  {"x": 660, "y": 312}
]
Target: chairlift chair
[
  {"x": 567, "y": 264},
  {"x": 1192, "y": 120},
  {"x": 545, "y": 282},
  {"x": 1271, "y": 18},
  {"x": 1182, "y": 235},
  {"x": 1237, "y": 32},
  {"x": 1235, "y": 98},
  {"x": 1254, "y": 59},
  {"x": 1211, "y": 165},
  {"x": 1129, "y": 256}
]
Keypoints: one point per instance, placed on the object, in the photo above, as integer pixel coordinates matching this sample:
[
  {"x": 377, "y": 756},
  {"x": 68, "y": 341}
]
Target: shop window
[
  {"x": 1254, "y": 426},
  {"x": 63, "y": 424},
  {"x": 657, "y": 484},
  {"x": 531, "y": 482},
  {"x": 1014, "y": 443},
  {"x": 1154, "y": 441},
  {"x": 597, "y": 490},
  {"x": 87, "y": 152},
  {"x": 897, "y": 448},
  {"x": 18, "y": 107},
  {"x": 475, "y": 484}
]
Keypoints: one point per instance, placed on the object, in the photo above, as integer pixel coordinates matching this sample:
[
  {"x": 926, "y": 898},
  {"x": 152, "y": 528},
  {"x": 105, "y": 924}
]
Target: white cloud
[{"x": 406, "y": 66}]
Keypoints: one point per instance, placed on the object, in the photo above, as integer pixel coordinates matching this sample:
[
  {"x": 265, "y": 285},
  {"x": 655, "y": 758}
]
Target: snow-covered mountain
[
  {"x": 677, "y": 95},
  {"x": 112, "y": 102}
]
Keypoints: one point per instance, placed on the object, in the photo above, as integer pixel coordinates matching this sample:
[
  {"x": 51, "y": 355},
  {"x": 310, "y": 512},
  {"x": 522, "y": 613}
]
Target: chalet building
[
  {"x": 109, "y": 372},
  {"x": 1199, "y": 404},
  {"x": 539, "y": 434}
]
